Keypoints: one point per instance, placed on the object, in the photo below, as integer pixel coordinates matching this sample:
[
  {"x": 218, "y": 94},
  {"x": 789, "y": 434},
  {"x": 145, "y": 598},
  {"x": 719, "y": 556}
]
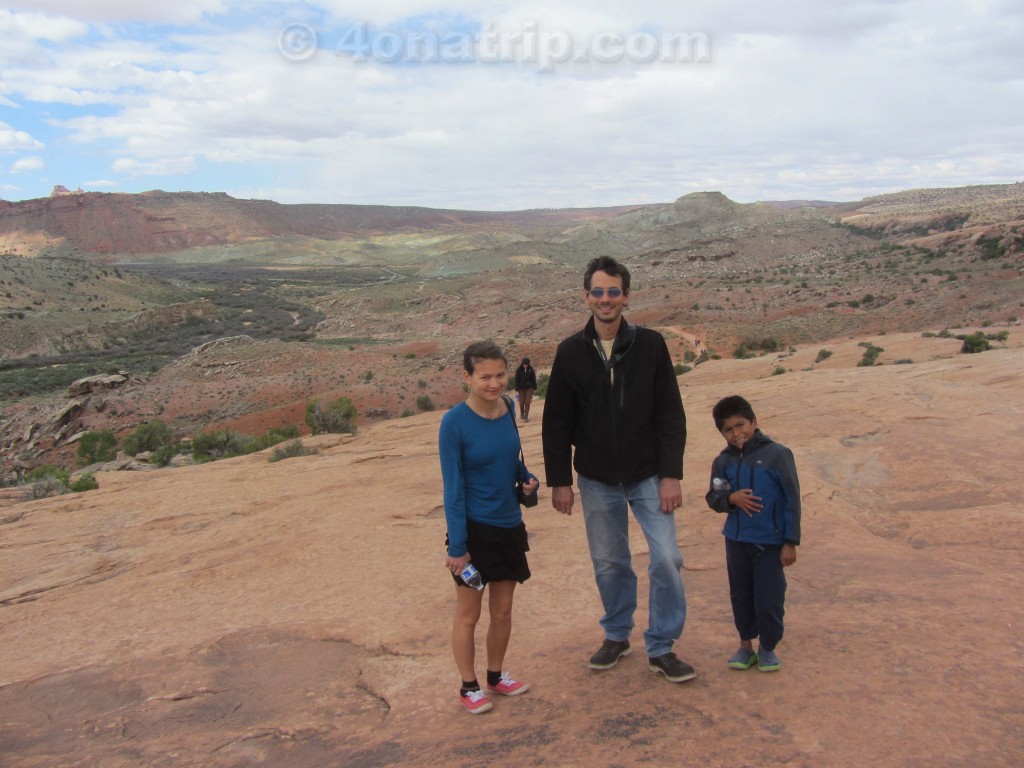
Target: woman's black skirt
[{"x": 498, "y": 553}]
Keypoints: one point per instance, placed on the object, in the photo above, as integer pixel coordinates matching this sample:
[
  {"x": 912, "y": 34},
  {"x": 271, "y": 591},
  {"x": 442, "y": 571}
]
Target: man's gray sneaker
[
  {"x": 609, "y": 653},
  {"x": 673, "y": 668}
]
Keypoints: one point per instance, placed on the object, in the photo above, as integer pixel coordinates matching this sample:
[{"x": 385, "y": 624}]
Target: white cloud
[
  {"x": 178, "y": 12},
  {"x": 32, "y": 163},
  {"x": 171, "y": 166},
  {"x": 797, "y": 100},
  {"x": 12, "y": 140}
]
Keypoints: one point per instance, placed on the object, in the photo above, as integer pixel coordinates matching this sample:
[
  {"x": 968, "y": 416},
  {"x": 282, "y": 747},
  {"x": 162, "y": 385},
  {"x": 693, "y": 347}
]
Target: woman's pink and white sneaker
[
  {"x": 508, "y": 687},
  {"x": 475, "y": 702}
]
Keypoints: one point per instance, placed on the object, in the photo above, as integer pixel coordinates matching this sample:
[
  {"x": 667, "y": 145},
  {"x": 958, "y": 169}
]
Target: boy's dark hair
[
  {"x": 609, "y": 266},
  {"x": 481, "y": 350},
  {"x": 727, "y": 407}
]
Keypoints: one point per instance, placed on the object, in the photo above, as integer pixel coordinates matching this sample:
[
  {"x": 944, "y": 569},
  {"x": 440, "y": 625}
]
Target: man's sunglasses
[{"x": 598, "y": 293}]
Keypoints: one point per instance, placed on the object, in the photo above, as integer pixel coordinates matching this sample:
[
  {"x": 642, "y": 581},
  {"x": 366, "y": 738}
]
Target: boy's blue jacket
[{"x": 769, "y": 470}]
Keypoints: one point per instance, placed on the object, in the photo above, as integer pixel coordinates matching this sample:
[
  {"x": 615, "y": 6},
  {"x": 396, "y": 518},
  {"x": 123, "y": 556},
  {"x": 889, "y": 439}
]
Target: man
[{"x": 613, "y": 395}]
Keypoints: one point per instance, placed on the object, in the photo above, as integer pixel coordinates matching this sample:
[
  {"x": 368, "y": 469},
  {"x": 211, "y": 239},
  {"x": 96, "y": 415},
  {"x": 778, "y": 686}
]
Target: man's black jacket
[{"x": 625, "y": 418}]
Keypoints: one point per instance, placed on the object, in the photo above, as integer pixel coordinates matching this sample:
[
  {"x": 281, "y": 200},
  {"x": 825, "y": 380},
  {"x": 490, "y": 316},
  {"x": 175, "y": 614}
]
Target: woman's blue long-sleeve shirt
[{"x": 480, "y": 466}]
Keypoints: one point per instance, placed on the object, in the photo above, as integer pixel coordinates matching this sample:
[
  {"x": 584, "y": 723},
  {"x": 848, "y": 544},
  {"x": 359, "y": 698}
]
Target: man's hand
[
  {"x": 562, "y": 498},
  {"x": 671, "y": 493}
]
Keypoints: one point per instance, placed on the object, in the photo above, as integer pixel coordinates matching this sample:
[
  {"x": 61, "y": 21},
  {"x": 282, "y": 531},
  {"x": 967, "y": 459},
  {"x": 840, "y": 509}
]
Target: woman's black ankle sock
[
  {"x": 467, "y": 686},
  {"x": 493, "y": 678}
]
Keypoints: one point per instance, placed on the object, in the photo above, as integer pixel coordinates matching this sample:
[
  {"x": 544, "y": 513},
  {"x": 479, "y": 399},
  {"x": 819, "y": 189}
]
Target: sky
[{"x": 511, "y": 105}]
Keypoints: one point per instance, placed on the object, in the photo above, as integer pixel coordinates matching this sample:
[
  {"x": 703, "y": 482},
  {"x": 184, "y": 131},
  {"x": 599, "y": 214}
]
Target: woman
[
  {"x": 526, "y": 383},
  {"x": 480, "y": 464}
]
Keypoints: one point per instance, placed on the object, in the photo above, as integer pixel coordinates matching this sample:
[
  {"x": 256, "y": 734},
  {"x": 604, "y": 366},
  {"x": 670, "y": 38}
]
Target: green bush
[
  {"x": 273, "y": 436},
  {"x": 161, "y": 457},
  {"x": 151, "y": 436},
  {"x": 823, "y": 354},
  {"x": 339, "y": 416},
  {"x": 291, "y": 450},
  {"x": 542, "y": 385},
  {"x": 84, "y": 482},
  {"x": 219, "y": 444},
  {"x": 974, "y": 343},
  {"x": 45, "y": 481},
  {"x": 424, "y": 403},
  {"x": 94, "y": 447},
  {"x": 46, "y": 471},
  {"x": 871, "y": 353}
]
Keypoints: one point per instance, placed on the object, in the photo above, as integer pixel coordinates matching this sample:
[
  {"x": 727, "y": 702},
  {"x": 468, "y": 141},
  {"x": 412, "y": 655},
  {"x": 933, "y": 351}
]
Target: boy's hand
[
  {"x": 746, "y": 500},
  {"x": 787, "y": 555}
]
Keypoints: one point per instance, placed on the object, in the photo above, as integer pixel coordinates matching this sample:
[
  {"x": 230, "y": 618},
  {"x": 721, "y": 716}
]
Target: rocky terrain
[{"x": 297, "y": 613}]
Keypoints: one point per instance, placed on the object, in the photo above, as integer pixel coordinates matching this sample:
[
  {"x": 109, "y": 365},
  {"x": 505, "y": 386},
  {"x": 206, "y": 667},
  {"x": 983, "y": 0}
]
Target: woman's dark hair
[
  {"x": 481, "y": 350},
  {"x": 610, "y": 267},
  {"x": 727, "y": 407}
]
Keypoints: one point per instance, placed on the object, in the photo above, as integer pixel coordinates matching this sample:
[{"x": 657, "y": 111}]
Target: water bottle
[{"x": 471, "y": 577}]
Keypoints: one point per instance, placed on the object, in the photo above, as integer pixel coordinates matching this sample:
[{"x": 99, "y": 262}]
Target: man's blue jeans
[{"x": 606, "y": 514}]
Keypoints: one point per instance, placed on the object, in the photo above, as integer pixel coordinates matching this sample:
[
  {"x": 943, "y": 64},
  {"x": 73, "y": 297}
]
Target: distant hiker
[
  {"x": 480, "y": 464},
  {"x": 526, "y": 383},
  {"x": 761, "y": 532},
  {"x": 613, "y": 396}
]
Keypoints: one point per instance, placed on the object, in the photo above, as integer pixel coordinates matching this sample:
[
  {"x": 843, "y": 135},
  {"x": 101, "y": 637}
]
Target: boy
[{"x": 754, "y": 482}]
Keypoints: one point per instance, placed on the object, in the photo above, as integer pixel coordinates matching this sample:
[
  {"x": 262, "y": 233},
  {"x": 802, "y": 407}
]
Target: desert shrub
[
  {"x": 679, "y": 369},
  {"x": 765, "y": 344},
  {"x": 273, "y": 436},
  {"x": 219, "y": 444},
  {"x": 779, "y": 370},
  {"x": 338, "y": 416},
  {"x": 45, "y": 481},
  {"x": 742, "y": 352},
  {"x": 96, "y": 446},
  {"x": 903, "y": 361},
  {"x": 161, "y": 457},
  {"x": 991, "y": 247},
  {"x": 542, "y": 385},
  {"x": 43, "y": 489},
  {"x": 823, "y": 354},
  {"x": 424, "y": 403},
  {"x": 871, "y": 353},
  {"x": 975, "y": 342},
  {"x": 151, "y": 436},
  {"x": 291, "y": 450},
  {"x": 45, "y": 471},
  {"x": 84, "y": 482},
  {"x": 689, "y": 356}
]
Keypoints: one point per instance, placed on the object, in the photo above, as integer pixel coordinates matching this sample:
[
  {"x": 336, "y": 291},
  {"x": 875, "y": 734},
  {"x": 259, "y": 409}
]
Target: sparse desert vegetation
[{"x": 233, "y": 338}]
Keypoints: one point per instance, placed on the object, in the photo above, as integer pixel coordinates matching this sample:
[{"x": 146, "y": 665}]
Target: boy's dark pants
[{"x": 757, "y": 588}]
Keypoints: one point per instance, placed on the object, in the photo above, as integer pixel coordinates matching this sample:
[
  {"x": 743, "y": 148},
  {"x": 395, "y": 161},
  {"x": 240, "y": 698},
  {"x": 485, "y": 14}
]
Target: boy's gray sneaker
[
  {"x": 768, "y": 661},
  {"x": 672, "y": 667},
  {"x": 743, "y": 659},
  {"x": 609, "y": 653}
]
